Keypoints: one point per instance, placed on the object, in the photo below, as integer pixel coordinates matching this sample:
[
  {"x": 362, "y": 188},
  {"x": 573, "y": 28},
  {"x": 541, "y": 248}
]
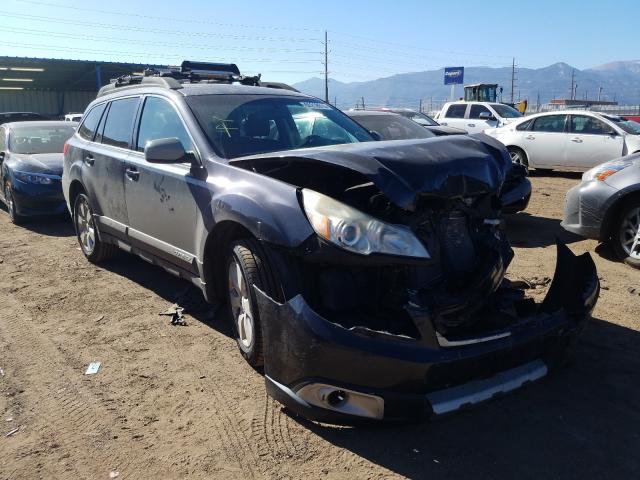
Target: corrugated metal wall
[{"x": 48, "y": 102}]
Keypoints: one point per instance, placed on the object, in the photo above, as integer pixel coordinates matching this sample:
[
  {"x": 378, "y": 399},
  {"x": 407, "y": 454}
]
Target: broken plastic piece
[
  {"x": 175, "y": 312},
  {"x": 92, "y": 368},
  {"x": 12, "y": 432}
]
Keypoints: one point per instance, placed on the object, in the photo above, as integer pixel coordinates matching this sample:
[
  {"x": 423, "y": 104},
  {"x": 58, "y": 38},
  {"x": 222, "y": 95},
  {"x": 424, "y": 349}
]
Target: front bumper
[
  {"x": 584, "y": 208},
  {"x": 333, "y": 374},
  {"x": 32, "y": 199}
]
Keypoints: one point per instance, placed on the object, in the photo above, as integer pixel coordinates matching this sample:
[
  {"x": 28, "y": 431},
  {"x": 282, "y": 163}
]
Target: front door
[
  {"x": 591, "y": 142},
  {"x": 479, "y": 119},
  {"x": 161, "y": 198}
]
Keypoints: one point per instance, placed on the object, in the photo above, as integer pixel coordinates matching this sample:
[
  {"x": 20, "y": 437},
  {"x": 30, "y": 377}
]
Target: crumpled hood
[
  {"x": 450, "y": 167},
  {"x": 49, "y": 163}
]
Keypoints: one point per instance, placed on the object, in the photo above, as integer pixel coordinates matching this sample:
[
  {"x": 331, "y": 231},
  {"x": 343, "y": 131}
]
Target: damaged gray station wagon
[{"x": 367, "y": 277}]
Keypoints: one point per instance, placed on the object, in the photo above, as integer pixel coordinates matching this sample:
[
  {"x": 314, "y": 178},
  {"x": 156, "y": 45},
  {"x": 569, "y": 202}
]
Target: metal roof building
[{"x": 54, "y": 87}]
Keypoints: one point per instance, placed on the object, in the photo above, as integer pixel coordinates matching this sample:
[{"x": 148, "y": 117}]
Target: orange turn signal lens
[{"x": 606, "y": 173}]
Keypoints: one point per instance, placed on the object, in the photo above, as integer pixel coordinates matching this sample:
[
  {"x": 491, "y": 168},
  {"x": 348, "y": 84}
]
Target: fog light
[{"x": 342, "y": 400}]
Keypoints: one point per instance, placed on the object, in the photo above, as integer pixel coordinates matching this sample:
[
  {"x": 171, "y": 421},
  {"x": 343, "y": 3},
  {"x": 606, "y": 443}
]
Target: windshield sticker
[{"x": 316, "y": 105}]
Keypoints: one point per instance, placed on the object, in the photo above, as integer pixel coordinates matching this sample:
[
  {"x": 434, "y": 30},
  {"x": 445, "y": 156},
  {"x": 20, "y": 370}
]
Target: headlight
[
  {"x": 601, "y": 172},
  {"x": 358, "y": 232},
  {"x": 34, "y": 178}
]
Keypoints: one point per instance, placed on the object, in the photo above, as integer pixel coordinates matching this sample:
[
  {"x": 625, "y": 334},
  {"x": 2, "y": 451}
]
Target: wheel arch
[
  {"x": 75, "y": 188},
  {"x": 614, "y": 209}
]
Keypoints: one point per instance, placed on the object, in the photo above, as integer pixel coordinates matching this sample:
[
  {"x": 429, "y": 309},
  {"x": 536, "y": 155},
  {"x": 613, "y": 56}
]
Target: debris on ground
[
  {"x": 92, "y": 368},
  {"x": 1, "y": 372},
  {"x": 100, "y": 318},
  {"x": 13, "y": 432},
  {"x": 175, "y": 312},
  {"x": 114, "y": 474}
]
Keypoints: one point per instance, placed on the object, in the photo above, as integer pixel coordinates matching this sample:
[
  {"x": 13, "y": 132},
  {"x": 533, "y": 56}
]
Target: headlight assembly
[
  {"x": 356, "y": 231},
  {"x": 601, "y": 172},
  {"x": 38, "y": 178}
]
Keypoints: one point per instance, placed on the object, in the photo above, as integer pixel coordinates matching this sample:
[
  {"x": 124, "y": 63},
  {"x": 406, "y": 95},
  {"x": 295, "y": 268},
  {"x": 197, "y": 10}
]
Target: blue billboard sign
[{"x": 453, "y": 75}]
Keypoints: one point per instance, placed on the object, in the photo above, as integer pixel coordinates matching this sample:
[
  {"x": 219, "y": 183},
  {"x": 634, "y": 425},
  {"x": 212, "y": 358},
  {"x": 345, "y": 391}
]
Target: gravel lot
[{"x": 175, "y": 402}]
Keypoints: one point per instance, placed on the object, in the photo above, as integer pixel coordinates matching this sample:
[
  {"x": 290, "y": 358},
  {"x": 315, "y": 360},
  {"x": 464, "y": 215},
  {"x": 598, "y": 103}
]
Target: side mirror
[
  {"x": 1, "y": 156},
  {"x": 165, "y": 150},
  {"x": 376, "y": 136},
  {"x": 612, "y": 133},
  {"x": 486, "y": 116}
]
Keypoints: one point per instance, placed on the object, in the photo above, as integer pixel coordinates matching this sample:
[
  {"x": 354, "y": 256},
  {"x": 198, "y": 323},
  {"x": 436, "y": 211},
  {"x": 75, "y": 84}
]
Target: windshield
[
  {"x": 423, "y": 119},
  {"x": 239, "y": 125},
  {"x": 628, "y": 126},
  {"x": 505, "y": 111},
  {"x": 49, "y": 139},
  {"x": 393, "y": 127}
]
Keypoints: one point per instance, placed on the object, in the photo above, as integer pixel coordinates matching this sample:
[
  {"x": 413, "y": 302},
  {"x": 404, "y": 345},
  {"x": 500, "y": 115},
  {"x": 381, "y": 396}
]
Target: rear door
[
  {"x": 161, "y": 202},
  {"x": 105, "y": 159},
  {"x": 454, "y": 116},
  {"x": 546, "y": 141},
  {"x": 591, "y": 142}
]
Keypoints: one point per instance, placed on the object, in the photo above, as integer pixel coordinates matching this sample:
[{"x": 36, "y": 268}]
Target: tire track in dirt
[{"x": 68, "y": 412}]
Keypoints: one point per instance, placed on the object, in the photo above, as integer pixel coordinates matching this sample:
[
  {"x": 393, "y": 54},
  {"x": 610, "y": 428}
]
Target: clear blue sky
[{"x": 283, "y": 39}]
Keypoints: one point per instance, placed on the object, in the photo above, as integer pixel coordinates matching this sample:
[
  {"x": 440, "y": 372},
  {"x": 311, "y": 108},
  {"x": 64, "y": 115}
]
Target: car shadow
[
  {"x": 555, "y": 174},
  {"x": 172, "y": 289},
  {"x": 582, "y": 421},
  {"x": 50, "y": 226},
  {"x": 531, "y": 231}
]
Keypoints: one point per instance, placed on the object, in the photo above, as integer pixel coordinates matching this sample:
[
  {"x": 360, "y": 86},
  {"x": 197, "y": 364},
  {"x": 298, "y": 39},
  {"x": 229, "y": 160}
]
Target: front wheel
[
  {"x": 626, "y": 234},
  {"x": 247, "y": 265},
  {"x": 92, "y": 247},
  {"x": 11, "y": 205}
]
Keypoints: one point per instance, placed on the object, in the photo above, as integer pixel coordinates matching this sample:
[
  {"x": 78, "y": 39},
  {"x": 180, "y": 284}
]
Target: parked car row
[{"x": 366, "y": 277}]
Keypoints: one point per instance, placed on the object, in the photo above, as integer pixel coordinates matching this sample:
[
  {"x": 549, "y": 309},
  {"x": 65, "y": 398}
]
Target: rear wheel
[
  {"x": 247, "y": 265},
  {"x": 518, "y": 156},
  {"x": 11, "y": 205},
  {"x": 95, "y": 250},
  {"x": 626, "y": 234}
]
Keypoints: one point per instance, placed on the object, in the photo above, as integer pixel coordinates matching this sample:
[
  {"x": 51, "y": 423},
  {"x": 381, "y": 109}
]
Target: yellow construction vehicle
[{"x": 488, "y": 92}]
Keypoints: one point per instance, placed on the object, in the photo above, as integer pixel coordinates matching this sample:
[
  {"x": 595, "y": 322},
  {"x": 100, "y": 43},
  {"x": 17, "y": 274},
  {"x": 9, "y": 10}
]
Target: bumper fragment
[{"x": 358, "y": 375}]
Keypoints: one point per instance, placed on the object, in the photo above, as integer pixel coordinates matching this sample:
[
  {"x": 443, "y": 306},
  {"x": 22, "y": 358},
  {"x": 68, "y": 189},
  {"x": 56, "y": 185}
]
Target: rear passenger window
[
  {"x": 88, "y": 128},
  {"x": 476, "y": 110},
  {"x": 456, "y": 111},
  {"x": 549, "y": 123},
  {"x": 160, "y": 120},
  {"x": 524, "y": 125},
  {"x": 119, "y": 123}
]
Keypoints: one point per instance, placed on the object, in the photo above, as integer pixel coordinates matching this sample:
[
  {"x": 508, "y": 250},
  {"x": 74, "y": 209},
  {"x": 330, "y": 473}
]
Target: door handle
[
  {"x": 471, "y": 124},
  {"x": 530, "y": 137},
  {"x": 576, "y": 140},
  {"x": 89, "y": 160},
  {"x": 132, "y": 173}
]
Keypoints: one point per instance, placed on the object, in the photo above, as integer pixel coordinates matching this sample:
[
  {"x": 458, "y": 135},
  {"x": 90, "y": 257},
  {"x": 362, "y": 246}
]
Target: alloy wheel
[
  {"x": 630, "y": 233},
  {"x": 8, "y": 197},
  {"x": 240, "y": 304},
  {"x": 516, "y": 157},
  {"x": 85, "y": 227}
]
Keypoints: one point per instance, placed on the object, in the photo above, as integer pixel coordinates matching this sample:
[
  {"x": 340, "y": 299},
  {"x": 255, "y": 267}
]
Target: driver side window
[{"x": 160, "y": 120}]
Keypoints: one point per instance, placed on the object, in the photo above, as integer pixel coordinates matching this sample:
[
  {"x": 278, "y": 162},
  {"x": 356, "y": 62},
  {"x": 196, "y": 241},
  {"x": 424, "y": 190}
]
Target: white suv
[{"x": 475, "y": 117}]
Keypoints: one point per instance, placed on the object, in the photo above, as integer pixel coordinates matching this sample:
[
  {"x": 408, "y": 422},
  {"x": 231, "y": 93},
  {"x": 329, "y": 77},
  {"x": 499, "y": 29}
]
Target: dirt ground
[{"x": 177, "y": 402}]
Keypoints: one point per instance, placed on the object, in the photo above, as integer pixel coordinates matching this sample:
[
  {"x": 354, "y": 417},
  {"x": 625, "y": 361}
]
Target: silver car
[
  {"x": 568, "y": 140},
  {"x": 606, "y": 207}
]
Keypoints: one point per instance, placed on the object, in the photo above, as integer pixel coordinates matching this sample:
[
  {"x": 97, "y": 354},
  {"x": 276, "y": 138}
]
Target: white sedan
[{"x": 568, "y": 140}]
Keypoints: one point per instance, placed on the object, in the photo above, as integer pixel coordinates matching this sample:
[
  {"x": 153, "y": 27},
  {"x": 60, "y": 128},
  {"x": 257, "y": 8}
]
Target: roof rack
[{"x": 187, "y": 72}]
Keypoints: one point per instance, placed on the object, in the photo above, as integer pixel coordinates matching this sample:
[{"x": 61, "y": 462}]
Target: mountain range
[{"x": 619, "y": 81}]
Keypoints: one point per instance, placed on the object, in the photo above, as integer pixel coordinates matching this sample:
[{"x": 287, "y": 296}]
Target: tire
[
  {"x": 518, "y": 156},
  {"x": 625, "y": 235},
  {"x": 11, "y": 205},
  {"x": 93, "y": 249},
  {"x": 247, "y": 265}
]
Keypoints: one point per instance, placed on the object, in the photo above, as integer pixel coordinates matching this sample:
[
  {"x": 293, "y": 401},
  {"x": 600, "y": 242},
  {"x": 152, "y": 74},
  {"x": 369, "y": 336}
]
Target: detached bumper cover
[{"x": 417, "y": 378}]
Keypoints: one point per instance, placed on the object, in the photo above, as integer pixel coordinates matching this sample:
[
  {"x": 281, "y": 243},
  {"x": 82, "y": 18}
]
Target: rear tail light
[{"x": 65, "y": 149}]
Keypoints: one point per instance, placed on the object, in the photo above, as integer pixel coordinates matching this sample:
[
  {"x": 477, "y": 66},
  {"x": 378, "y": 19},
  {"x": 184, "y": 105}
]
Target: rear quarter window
[
  {"x": 524, "y": 125},
  {"x": 88, "y": 128}
]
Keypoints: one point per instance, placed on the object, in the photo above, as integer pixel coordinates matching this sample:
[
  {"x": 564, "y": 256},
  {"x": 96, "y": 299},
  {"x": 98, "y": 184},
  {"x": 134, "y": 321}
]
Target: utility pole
[
  {"x": 420, "y": 105},
  {"x": 538, "y": 103},
  {"x": 326, "y": 66},
  {"x": 573, "y": 85},
  {"x": 335, "y": 101},
  {"x": 513, "y": 78},
  {"x": 363, "y": 103},
  {"x": 600, "y": 93}
]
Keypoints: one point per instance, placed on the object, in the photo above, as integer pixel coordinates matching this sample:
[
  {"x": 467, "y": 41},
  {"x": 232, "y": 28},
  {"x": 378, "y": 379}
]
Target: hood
[
  {"x": 450, "y": 166},
  {"x": 445, "y": 130},
  {"x": 49, "y": 163}
]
